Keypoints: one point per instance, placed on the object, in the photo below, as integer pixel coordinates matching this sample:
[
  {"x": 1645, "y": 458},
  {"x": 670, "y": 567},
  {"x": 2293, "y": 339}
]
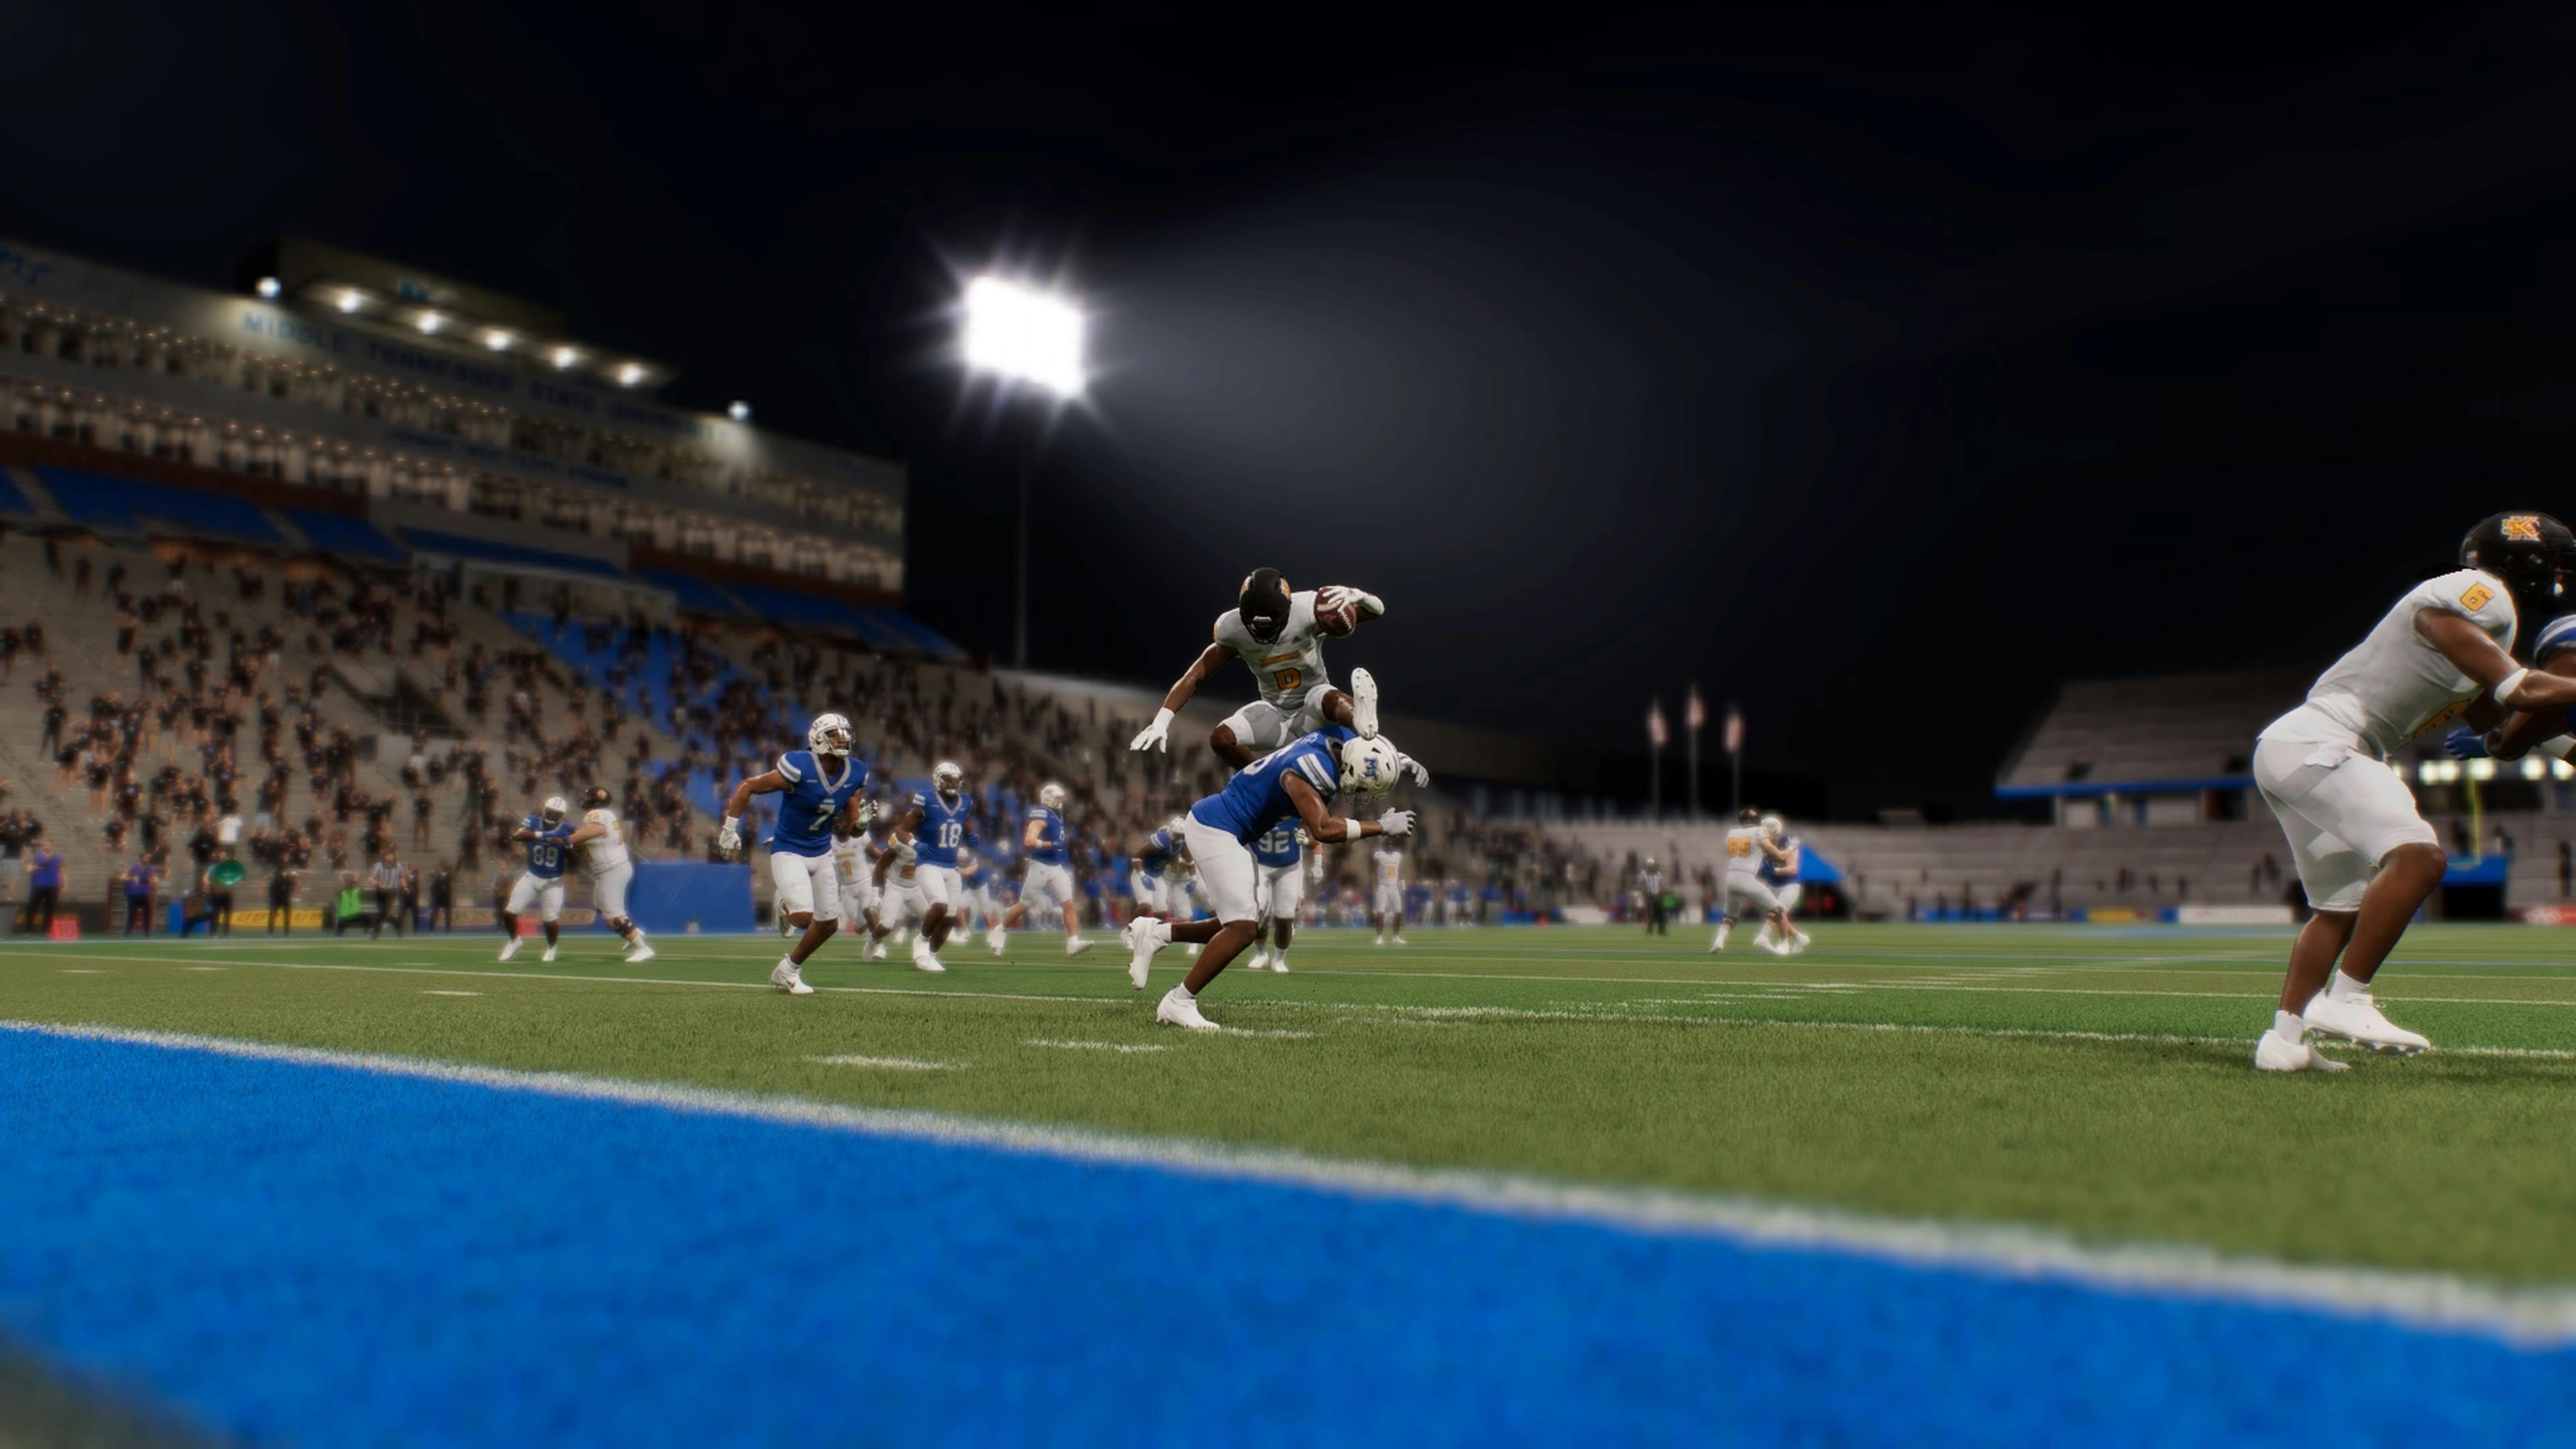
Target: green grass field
[{"x": 2093, "y": 1080}]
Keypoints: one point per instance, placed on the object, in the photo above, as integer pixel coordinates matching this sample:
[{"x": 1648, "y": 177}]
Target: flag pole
[{"x": 1693, "y": 716}]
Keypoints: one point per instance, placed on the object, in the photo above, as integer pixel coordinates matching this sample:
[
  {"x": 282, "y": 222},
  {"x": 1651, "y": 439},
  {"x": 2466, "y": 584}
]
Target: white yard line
[
  {"x": 896, "y": 1064},
  {"x": 2543, "y": 1317},
  {"x": 1096, "y": 1046}
]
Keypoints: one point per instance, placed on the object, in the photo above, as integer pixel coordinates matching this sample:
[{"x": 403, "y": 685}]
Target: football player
[
  {"x": 1279, "y": 636},
  {"x": 1289, "y": 783},
  {"x": 1389, "y": 905},
  {"x": 603, "y": 849},
  {"x": 2365, "y": 857},
  {"x": 933, "y": 829},
  {"x": 1169, "y": 873},
  {"x": 822, "y": 783},
  {"x": 1045, "y": 881},
  {"x": 1779, "y": 871},
  {"x": 541, "y": 884},
  {"x": 1748, "y": 846}
]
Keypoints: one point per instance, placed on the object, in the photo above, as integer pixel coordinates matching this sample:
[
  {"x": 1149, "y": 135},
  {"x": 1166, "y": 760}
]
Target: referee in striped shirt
[{"x": 386, "y": 877}]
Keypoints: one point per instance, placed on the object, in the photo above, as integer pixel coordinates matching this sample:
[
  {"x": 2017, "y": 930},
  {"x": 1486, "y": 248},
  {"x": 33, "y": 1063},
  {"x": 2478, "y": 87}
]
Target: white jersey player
[
  {"x": 2365, "y": 856},
  {"x": 1753, "y": 843},
  {"x": 1279, "y": 636},
  {"x": 1388, "y": 907},
  {"x": 603, "y": 852}
]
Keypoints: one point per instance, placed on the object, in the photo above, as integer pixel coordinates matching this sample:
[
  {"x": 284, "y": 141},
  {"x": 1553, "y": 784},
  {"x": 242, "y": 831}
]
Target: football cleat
[
  {"x": 923, "y": 959},
  {"x": 2276, "y": 1053},
  {"x": 1178, "y": 1009},
  {"x": 550, "y": 954},
  {"x": 1141, "y": 946},
  {"x": 511, "y": 947},
  {"x": 2357, "y": 1018},
  {"x": 787, "y": 978},
  {"x": 1076, "y": 945},
  {"x": 877, "y": 949},
  {"x": 1363, "y": 704},
  {"x": 994, "y": 939},
  {"x": 642, "y": 953}
]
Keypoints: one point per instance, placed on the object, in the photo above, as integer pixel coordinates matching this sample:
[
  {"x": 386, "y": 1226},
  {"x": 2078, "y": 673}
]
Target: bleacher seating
[
  {"x": 346, "y": 537},
  {"x": 694, "y": 594},
  {"x": 13, "y": 499},
  {"x": 431, "y": 540},
  {"x": 2181, "y": 732},
  {"x": 122, "y": 505}
]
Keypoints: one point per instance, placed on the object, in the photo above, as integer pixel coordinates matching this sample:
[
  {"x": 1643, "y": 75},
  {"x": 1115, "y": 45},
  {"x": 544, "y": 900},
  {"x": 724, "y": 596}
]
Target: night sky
[{"x": 1876, "y": 369}]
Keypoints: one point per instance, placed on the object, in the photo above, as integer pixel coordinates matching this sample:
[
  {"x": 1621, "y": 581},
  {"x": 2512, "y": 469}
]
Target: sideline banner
[
  {"x": 2548, "y": 915},
  {"x": 2245, "y": 915}
]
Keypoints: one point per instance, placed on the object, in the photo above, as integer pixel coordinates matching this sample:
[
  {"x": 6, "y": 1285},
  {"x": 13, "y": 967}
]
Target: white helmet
[
  {"x": 1369, "y": 766},
  {"x": 1773, "y": 827},
  {"x": 829, "y": 735},
  {"x": 1051, "y": 795},
  {"x": 555, "y": 810},
  {"x": 948, "y": 777}
]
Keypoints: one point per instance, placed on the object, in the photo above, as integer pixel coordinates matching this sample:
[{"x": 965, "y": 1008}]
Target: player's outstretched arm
[
  {"x": 2479, "y": 657},
  {"x": 2524, "y": 731},
  {"x": 1157, "y": 736},
  {"x": 729, "y": 835},
  {"x": 1333, "y": 596},
  {"x": 1332, "y": 829}
]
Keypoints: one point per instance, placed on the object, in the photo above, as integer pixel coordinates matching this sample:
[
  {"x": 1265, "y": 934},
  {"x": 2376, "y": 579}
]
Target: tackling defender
[
  {"x": 2365, "y": 857},
  {"x": 1169, "y": 873},
  {"x": 1780, "y": 872},
  {"x": 1389, "y": 903},
  {"x": 1279, "y": 636},
  {"x": 933, "y": 829},
  {"x": 822, "y": 784},
  {"x": 541, "y": 884},
  {"x": 604, "y": 852},
  {"x": 1752, "y": 843},
  {"x": 1045, "y": 882},
  {"x": 1287, "y": 783}
]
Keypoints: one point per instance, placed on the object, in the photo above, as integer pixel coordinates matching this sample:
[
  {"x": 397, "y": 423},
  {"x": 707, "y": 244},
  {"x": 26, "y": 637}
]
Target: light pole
[{"x": 1022, "y": 334}]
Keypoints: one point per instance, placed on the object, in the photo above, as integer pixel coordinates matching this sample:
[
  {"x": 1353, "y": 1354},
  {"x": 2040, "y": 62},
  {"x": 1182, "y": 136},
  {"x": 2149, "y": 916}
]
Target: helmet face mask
[
  {"x": 1773, "y": 827},
  {"x": 1748, "y": 816},
  {"x": 1263, "y": 602},
  {"x": 829, "y": 737},
  {"x": 1051, "y": 795},
  {"x": 595, "y": 798},
  {"x": 1368, "y": 766},
  {"x": 948, "y": 778},
  {"x": 553, "y": 812}
]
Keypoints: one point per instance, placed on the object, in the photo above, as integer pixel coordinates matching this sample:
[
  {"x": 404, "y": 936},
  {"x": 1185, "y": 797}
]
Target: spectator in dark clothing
[
  {"x": 139, "y": 880},
  {"x": 44, "y": 888},
  {"x": 442, "y": 898},
  {"x": 281, "y": 897}
]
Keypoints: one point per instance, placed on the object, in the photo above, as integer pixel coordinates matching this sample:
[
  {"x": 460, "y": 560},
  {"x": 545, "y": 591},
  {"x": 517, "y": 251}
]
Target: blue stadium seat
[
  {"x": 103, "y": 501},
  {"x": 13, "y": 499},
  {"x": 433, "y": 541},
  {"x": 694, "y": 593},
  {"x": 352, "y": 537},
  {"x": 916, "y": 635}
]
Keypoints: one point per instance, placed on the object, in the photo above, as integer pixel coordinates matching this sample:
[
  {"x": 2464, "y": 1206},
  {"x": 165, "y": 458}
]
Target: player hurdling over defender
[
  {"x": 2365, "y": 857},
  {"x": 822, "y": 784},
  {"x": 1279, "y": 636}
]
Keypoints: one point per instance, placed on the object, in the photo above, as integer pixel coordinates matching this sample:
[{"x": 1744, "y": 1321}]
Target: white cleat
[
  {"x": 1279, "y": 963},
  {"x": 550, "y": 954},
  {"x": 2276, "y": 1053},
  {"x": 1381, "y": 940},
  {"x": 1260, "y": 960},
  {"x": 994, "y": 939},
  {"x": 510, "y": 948},
  {"x": 1719, "y": 943},
  {"x": 1178, "y": 1009},
  {"x": 642, "y": 953},
  {"x": 1363, "y": 704},
  {"x": 877, "y": 949},
  {"x": 2356, "y": 1018},
  {"x": 1141, "y": 944},
  {"x": 922, "y": 959},
  {"x": 1399, "y": 940},
  {"x": 1076, "y": 945},
  {"x": 787, "y": 978}
]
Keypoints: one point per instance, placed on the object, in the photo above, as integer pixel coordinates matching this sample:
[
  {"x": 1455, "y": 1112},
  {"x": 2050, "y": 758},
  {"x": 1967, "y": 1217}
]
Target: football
[{"x": 1337, "y": 622}]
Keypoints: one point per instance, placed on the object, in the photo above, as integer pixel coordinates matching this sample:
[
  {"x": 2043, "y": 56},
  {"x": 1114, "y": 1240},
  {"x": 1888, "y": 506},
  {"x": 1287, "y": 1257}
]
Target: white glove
[
  {"x": 1156, "y": 735},
  {"x": 1395, "y": 822},
  {"x": 1421, "y": 776},
  {"x": 867, "y": 813},
  {"x": 902, "y": 851},
  {"x": 1333, "y": 596},
  {"x": 729, "y": 839}
]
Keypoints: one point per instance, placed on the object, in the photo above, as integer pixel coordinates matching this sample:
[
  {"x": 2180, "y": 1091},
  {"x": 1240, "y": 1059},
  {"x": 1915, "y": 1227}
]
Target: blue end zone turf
[{"x": 331, "y": 1256}]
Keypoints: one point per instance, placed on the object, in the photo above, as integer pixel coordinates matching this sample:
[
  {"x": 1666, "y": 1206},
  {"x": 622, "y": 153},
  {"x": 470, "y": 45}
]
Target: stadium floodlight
[
  {"x": 269, "y": 287},
  {"x": 740, "y": 412},
  {"x": 430, "y": 322},
  {"x": 1024, "y": 334},
  {"x": 629, "y": 375},
  {"x": 350, "y": 301},
  {"x": 566, "y": 357},
  {"x": 497, "y": 340}
]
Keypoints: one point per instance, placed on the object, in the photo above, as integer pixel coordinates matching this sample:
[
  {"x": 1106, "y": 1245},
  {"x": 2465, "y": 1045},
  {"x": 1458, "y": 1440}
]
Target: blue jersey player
[
  {"x": 1046, "y": 876},
  {"x": 823, "y": 785},
  {"x": 1288, "y": 783},
  {"x": 931, "y": 831},
  {"x": 1278, "y": 888},
  {"x": 548, "y": 834}
]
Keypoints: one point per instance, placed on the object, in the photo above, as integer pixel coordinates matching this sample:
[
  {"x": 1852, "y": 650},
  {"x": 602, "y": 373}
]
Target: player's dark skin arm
[
  {"x": 2524, "y": 729},
  {"x": 1210, "y": 660},
  {"x": 1225, "y": 940}
]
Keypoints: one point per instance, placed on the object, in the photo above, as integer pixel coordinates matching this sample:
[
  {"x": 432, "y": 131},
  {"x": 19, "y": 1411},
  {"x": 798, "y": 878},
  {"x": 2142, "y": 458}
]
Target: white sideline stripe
[
  {"x": 2435, "y": 1301},
  {"x": 899, "y": 1064},
  {"x": 451, "y": 993},
  {"x": 1097, "y": 1046}
]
